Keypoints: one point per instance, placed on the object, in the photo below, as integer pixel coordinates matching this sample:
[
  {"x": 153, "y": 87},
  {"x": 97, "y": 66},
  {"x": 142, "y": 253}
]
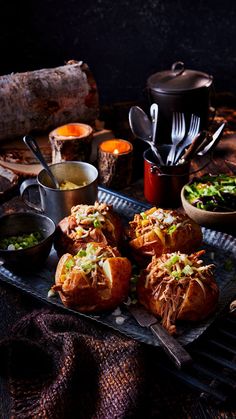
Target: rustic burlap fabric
[
  {"x": 59, "y": 366},
  {"x": 107, "y": 376}
]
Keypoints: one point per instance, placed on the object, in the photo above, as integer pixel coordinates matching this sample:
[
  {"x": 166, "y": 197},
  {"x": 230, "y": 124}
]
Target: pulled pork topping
[
  {"x": 90, "y": 220},
  {"x": 169, "y": 276},
  {"x": 88, "y": 263},
  {"x": 159, "y": 220}
]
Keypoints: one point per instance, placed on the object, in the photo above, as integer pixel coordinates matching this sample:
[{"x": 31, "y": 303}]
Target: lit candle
[
  {"x": 115, "y": 163},
  {"x": 116, "y": 146},
  {"x": 71, "y": 142}
]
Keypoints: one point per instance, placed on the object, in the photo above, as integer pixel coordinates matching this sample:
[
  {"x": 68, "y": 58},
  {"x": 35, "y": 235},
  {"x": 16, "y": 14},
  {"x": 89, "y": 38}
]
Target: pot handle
[
  {"x": 177, "y": 68},
  {"x": 155, "y": 170}
]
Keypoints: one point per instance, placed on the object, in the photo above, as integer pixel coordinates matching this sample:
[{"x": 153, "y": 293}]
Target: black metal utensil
[
  {"x": 212, "y": 141},
  {"x": 171, "y": 346},
  {"x": 33, "y": 146},
  {"x": 194, "y": 146}
]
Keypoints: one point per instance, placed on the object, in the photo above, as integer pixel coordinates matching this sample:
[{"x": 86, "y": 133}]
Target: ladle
[
  {"x": 142, "y": 128},
  {"x": 33, "y": 146}
]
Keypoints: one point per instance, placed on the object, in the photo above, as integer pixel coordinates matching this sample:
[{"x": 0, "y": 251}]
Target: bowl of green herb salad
[
  {"x": 211, "y": 200},
  {"x": 26, "y": 240}
]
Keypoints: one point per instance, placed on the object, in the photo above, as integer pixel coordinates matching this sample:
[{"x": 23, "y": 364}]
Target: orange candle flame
[
  {"x": 72, "y": 130},
  {"x": 116, "y": 146}
]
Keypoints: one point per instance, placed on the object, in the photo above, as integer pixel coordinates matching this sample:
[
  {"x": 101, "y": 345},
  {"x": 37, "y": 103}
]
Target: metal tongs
[
  {"x": 202, "y": 144},
  {"x": 214, "y": 139}
]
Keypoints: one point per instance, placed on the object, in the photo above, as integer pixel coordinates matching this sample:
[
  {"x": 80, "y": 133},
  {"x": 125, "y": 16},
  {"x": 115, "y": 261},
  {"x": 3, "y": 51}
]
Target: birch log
[{"x": 41, "y": 100}]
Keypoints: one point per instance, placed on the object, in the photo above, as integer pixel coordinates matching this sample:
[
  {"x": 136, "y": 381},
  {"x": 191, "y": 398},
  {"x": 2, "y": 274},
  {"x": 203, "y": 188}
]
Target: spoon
[
  {"x": 33, "y": 146},
  {"x": 142, "y": 128},
  {"x": 154, "y": 117}
]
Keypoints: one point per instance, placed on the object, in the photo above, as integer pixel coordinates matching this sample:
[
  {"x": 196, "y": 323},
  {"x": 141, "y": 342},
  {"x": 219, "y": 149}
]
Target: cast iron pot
[{"x": 180, "y": 90}]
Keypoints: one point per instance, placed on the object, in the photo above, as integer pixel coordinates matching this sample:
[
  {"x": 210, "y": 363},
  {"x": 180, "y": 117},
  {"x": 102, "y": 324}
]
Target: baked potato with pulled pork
[
  {"x": 95, "y": 279},
  {"x": 158, "y": 231},
  {"x": 88, "y": 223},
  {"x": 178, "y": 286}
]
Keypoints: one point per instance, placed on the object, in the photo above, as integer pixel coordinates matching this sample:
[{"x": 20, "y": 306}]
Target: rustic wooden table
[{"x": 167, "y": 398}]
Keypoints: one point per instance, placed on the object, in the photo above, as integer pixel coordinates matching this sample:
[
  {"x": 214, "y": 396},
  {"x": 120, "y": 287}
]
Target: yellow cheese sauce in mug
[{"x": 66, "y": 185}]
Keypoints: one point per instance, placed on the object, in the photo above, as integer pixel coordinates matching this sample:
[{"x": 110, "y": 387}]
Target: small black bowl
[{"x": 30, "y": 258}]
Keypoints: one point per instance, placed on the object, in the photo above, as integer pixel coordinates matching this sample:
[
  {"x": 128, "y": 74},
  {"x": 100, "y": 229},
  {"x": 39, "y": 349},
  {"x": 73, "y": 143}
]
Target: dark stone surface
[{"x": 123, "y": 42}]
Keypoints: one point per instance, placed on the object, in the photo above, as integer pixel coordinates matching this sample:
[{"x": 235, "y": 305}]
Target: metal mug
[
  {"x": 163, "y": 184},
  {"x": 57, "y": 203}
]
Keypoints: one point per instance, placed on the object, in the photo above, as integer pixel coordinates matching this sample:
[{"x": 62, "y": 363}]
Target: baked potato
[
  {"x": 177, "y": 286},
  {"x": 95, "y": 279},
  {"x": 88, "y": 223},
  {"x": 158, "y": 231}
]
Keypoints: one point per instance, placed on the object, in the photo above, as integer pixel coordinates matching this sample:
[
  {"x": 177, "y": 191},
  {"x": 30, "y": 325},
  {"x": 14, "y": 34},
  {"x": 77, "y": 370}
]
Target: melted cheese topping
[
  {"x": 89, "y": 262},
  {"x": 163, "y": 222}
]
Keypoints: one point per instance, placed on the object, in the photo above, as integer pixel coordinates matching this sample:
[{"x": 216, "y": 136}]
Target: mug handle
[{"x": 28, "y": 183}]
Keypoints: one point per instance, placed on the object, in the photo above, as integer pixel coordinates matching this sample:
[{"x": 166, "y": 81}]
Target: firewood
[{"x": 40, "y": 100}]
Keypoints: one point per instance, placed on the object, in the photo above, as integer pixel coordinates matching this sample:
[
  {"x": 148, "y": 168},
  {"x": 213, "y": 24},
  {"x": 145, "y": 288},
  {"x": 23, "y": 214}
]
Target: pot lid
[{"x": 178, "y": 79}]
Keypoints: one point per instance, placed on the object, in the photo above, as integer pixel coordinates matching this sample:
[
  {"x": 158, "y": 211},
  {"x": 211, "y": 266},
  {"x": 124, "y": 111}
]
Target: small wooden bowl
[{"x": 206, "y": 218}]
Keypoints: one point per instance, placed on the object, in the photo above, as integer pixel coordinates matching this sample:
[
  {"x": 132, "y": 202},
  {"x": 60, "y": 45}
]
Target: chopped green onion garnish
[
  {"x": 171, "y": 229},
  {"x": 187, "y": 270},
  {"x": 143, "y": 215},
  {"x": 69, "y": 264},
  {"x": 97, "y": 224},
  {"x": 172, "y": 260},
  {"x": 82, "y": 252},
  {"x": 21, "y": 242},
  {"x": 176, "y": 274}
]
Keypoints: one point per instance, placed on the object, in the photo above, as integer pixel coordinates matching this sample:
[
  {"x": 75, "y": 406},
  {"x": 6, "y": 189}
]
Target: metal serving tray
[
  {"x": 213, "y": 372},
  {"x": 220, "y": 250}
]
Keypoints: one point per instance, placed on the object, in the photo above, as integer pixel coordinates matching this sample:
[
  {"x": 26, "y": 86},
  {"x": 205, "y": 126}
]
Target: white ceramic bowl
[{"x": 206, "y": 218}]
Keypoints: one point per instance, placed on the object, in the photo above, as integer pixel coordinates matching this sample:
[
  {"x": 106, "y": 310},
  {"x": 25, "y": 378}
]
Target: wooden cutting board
[
  {"x": 8, "y": 182},
  {"x": 16, "y": 157}
]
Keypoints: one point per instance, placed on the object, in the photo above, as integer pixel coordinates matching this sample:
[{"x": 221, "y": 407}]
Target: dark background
[{"x": 122, "y": 41}]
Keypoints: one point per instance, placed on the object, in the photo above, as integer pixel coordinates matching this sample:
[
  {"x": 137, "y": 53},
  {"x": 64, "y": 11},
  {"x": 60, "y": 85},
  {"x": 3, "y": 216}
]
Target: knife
[
  {"x": 171, "y": 346},
  {"x": 194, "y": 146},
  {"x": 214, "y": 139}
]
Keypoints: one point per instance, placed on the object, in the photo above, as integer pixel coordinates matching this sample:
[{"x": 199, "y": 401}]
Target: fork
[
  {"x": 192, "y": 133},
  {"x": 177, "y": 135}
]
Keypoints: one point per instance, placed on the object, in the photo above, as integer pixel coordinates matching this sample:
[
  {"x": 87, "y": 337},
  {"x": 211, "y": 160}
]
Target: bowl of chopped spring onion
[
  {"x": 26, "y": 240},
  {"x": 211, "y": 200}
]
